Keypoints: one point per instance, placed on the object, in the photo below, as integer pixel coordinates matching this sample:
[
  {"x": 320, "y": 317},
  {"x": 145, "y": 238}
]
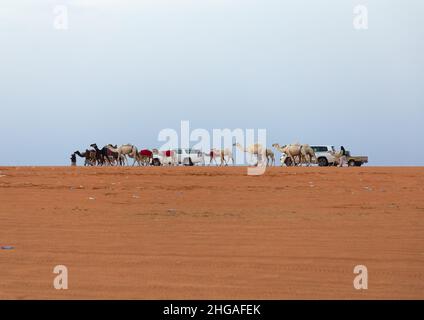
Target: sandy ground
[{"x": 206, "y": 232}]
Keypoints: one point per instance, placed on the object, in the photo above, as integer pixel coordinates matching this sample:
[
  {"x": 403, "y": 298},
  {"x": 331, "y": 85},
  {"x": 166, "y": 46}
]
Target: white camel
[
  {"x": 303, "y": 152},
  {"x": 291, "y": 150},
  {"x": 224, "y": 154},
  {"x": 126, "y": 150},
  {"x": 254, "y": 149},
  {"x": 308, "y": 154},
  {"x": 270, "y": 157}
]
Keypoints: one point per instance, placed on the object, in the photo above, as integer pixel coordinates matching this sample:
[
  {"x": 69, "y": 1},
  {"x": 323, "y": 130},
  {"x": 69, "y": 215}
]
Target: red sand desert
[{"x": 206, "y": 232}]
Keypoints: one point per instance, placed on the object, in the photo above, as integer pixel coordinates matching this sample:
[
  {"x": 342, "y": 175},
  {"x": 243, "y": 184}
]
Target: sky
[{"x": 125, "y": 70}]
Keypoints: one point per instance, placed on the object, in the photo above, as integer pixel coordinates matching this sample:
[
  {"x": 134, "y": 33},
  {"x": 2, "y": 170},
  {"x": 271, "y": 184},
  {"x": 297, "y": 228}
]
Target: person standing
[
  {"x": 73, "y": 160},
  {"x": 342, "y": 158}
]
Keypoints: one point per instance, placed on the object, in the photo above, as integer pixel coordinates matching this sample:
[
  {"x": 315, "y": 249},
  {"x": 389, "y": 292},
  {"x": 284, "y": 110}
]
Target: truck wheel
[
  {"x": 288, "y": 162},
  {"x": 322, "y": 162},
  {"x": 351, "y": 163}
]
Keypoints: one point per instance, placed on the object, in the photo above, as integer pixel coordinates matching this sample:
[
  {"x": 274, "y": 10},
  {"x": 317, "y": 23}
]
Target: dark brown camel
[
  {"x": 89, "y": 155},
  {"x": 101, "y": 155}
]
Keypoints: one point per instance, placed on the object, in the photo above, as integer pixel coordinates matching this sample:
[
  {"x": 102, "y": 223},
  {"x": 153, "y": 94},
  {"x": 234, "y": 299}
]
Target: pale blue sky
[{"x": 127, "y": 69}]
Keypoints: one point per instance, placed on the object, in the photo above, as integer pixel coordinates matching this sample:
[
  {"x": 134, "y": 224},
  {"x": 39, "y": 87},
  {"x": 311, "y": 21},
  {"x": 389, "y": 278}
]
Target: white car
[
  {"x": 324, "y": 156},
  {"x": 189, "y": 157}
]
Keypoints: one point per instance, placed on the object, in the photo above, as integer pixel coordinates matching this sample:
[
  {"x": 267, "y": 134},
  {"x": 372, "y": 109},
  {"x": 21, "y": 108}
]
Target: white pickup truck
[{"x": 189, "y": 157}]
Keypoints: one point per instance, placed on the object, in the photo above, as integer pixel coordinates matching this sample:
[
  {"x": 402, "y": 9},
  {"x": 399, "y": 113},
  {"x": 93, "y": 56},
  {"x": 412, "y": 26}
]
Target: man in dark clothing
[{"x": 73, "y": 159}]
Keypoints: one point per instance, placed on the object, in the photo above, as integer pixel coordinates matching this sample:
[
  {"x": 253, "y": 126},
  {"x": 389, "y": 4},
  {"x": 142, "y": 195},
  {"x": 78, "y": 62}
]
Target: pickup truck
[
  {"x": 189, "y": 157},
  {"x": 355, "y": 161}
]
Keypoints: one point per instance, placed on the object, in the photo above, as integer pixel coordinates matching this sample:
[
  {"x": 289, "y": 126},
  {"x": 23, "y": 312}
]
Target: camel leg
[
  {"x": 257, "y": 161},
  {"x": 107, "y": 161},
  {"x": 261, "y": 159},
  {"x": 292, "y": 159},
  {"x": 135, "y": 159},
  {"x": 139, "y": 159}
]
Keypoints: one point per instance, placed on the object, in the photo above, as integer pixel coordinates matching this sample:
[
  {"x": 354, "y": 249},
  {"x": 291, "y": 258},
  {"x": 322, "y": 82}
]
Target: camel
[
  {"x": 101, "y": 154},
  {"x": 126, "y": 150},
  {"x": 270, "y": 157},
  {"x": 89, "y": 156},
  {"x": 303, "y": 152},
  {"x": 254, "y": 149},
  {"x": 224, "y": 154},
  {"x": 146, "y": 156},
  {"x": 308, "y": 154},
  {"x": 291, "y": 150},
  {"x": 114, "y": 157}
]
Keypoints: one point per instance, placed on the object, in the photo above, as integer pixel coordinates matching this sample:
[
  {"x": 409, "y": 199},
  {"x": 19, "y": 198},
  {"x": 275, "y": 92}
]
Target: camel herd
[{"x": 113, "y": 155}]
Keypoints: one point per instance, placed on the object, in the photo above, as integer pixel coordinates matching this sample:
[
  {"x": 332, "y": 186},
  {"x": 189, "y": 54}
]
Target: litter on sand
[{"x": 7, "y": 247}]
